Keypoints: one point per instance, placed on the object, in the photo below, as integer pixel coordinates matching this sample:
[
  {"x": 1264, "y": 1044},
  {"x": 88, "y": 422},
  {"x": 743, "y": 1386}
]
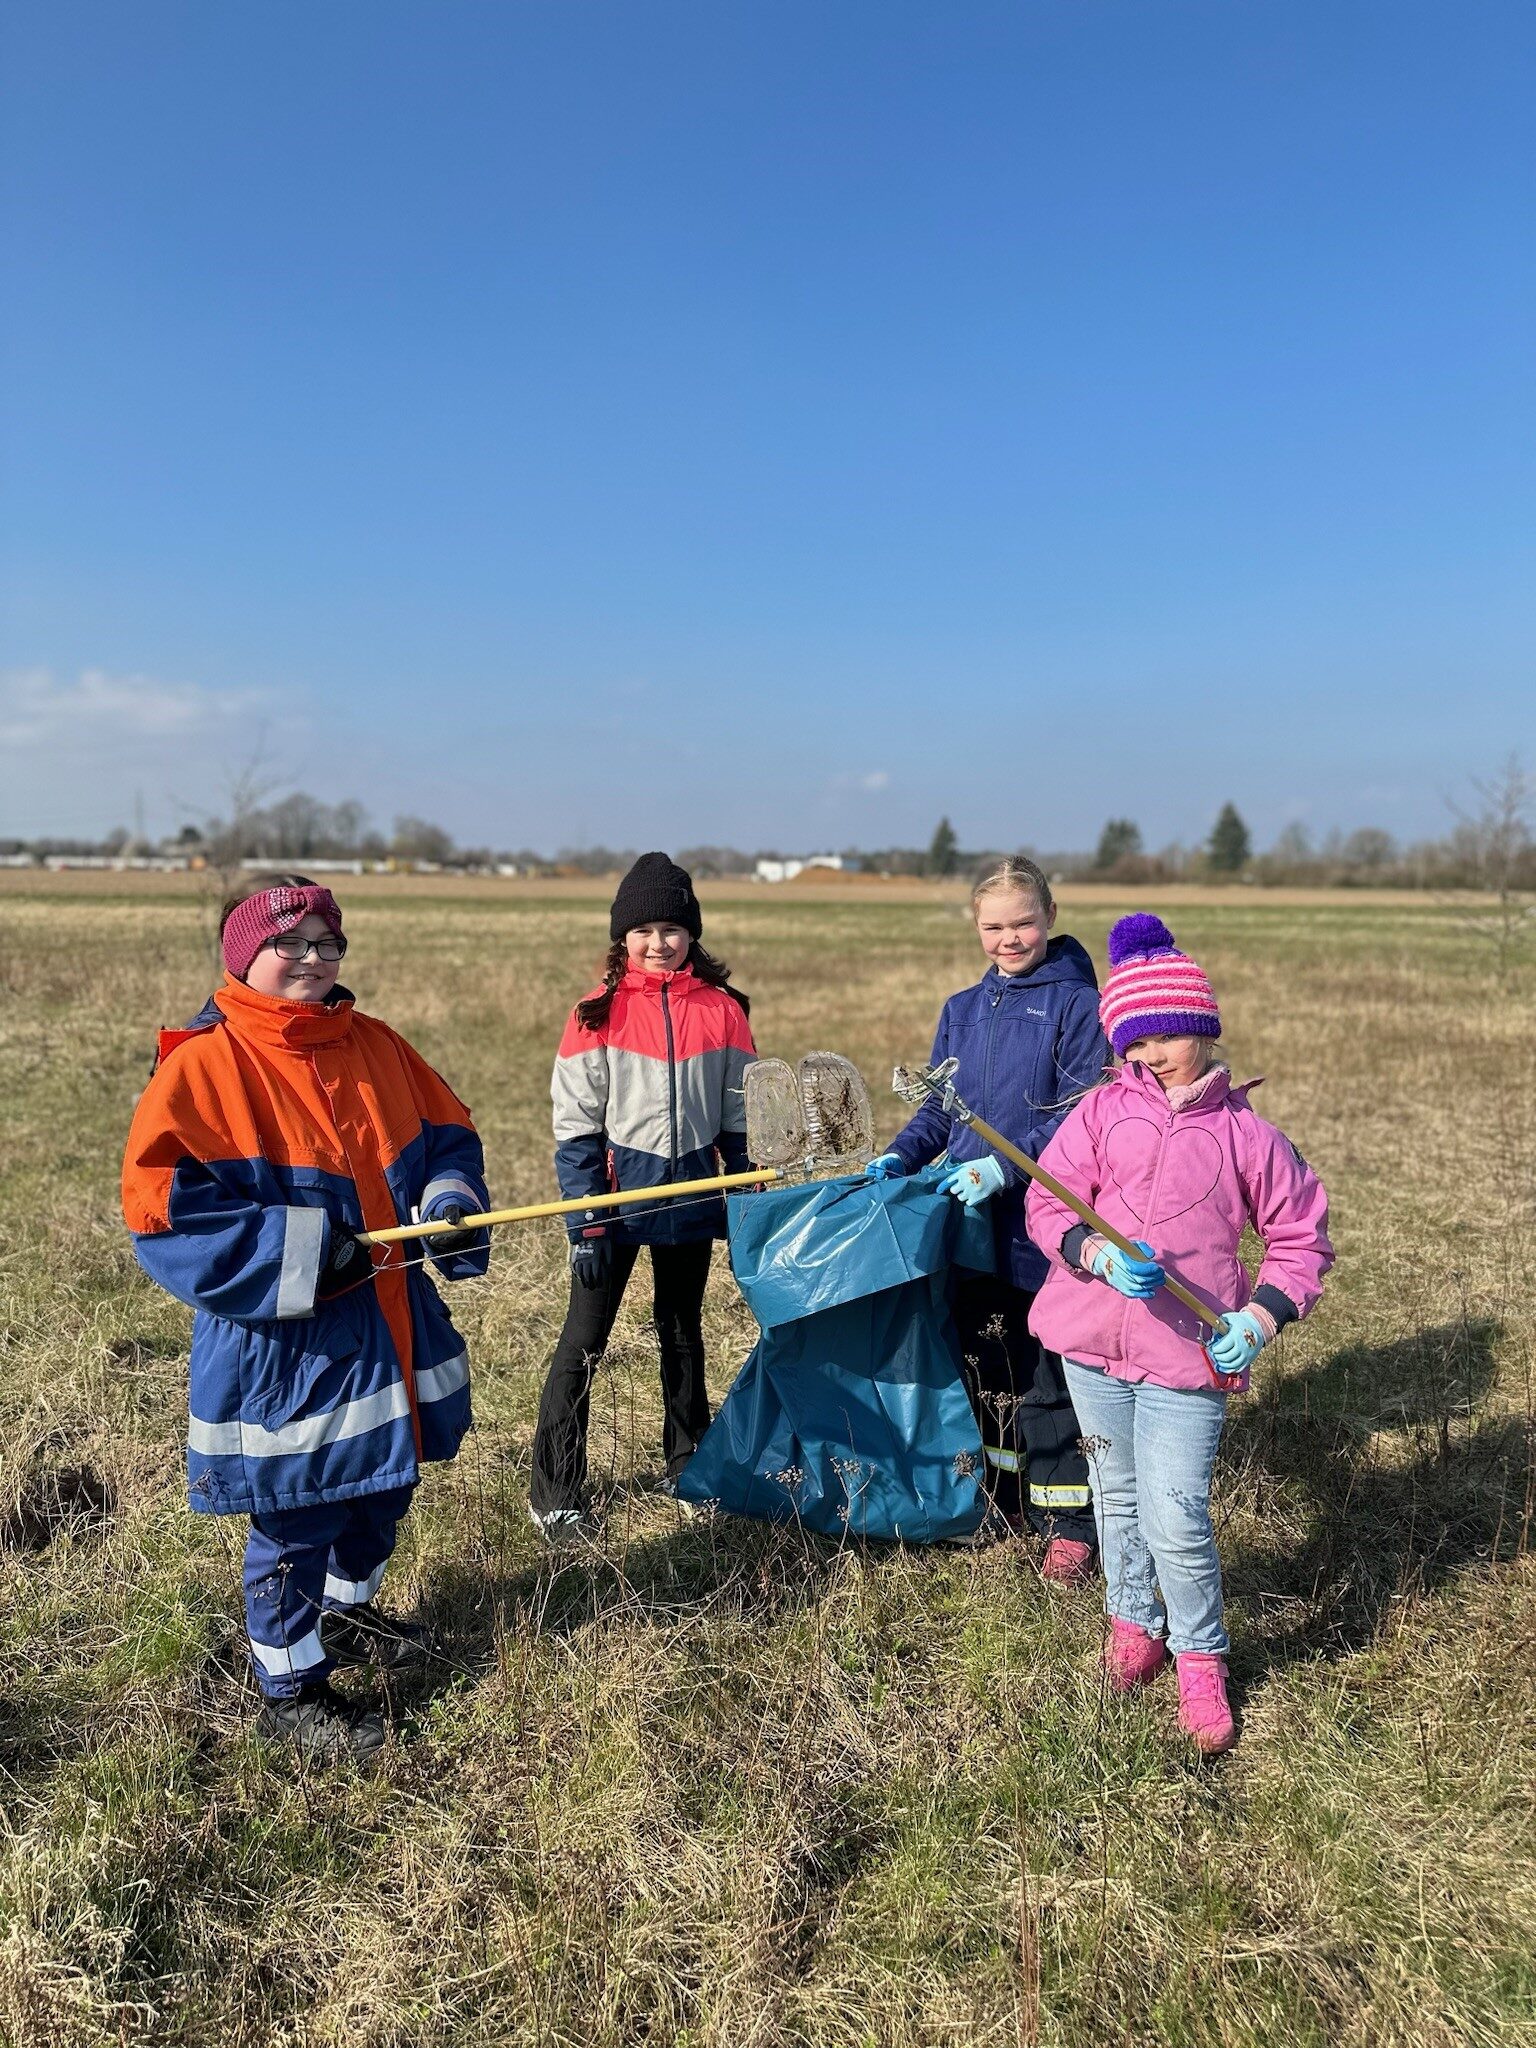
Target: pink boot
[
  {"x": 1067, "y": 1562},
  {"x": 1203, "y": 1709},
  {"x": 1131, "y": 1656}
]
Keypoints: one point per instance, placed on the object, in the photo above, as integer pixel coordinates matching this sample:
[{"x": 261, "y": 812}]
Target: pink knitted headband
[{"x": 268, "y": 914}]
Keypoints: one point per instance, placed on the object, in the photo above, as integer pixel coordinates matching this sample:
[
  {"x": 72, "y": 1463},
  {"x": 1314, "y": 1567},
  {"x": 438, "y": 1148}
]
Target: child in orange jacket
[{"x": 280, "y": 1124}]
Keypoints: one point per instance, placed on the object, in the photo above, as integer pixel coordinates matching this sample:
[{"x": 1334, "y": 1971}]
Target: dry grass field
[{"x": 723, "y": 1785}]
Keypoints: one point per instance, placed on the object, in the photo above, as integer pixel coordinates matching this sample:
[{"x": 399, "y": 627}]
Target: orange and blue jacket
[
  {"x": 654, "y": 1095},
  {"x": 266, "y": 1124}
]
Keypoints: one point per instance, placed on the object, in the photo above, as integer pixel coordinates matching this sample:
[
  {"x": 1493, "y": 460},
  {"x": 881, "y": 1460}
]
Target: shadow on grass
[
  {"x": 1393, "y": 1478},
  {"x": 479, "y": 1606}
]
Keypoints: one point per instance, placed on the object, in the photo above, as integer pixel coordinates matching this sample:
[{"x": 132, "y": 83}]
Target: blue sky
[{"x": 776, "y": 424}]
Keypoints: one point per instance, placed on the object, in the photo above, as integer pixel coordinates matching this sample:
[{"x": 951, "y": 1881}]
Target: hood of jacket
[
  {"x": 1066, "y": 960},
  {"x": 1220, "y": 1092}
]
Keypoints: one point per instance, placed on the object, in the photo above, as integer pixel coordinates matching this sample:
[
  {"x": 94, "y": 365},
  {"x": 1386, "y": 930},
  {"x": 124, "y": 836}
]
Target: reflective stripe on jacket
[
  {"x": 654, "y": 1095},
  {"x": 254, "y": 1137}
]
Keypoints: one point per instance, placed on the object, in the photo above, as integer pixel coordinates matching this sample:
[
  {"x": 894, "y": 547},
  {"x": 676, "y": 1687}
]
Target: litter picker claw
[
  {"x": 921, "y": 1084},
  {"x": 671, "y": 1191}
]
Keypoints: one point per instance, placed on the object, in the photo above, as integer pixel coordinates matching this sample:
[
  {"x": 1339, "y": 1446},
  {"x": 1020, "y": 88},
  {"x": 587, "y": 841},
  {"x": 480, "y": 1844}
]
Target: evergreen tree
[
  {"x": 943, "y": 849},
  {"x": 1120, "y": 840},
  {"x": 1229, "y": 845}
]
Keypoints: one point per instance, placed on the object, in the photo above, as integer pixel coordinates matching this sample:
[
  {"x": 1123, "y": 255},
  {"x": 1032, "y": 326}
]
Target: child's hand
[
  {"x": 1137, "y": 1279},
  {"x": 347, "y": 1263},
  {"x": 1241, "y": 1338},
  {"x": 447, "y": 1210},
  {"x": 889, "y": 1166},
  {"x": 974, "y": 1181},
  {"x": 592, "y": 1259}
]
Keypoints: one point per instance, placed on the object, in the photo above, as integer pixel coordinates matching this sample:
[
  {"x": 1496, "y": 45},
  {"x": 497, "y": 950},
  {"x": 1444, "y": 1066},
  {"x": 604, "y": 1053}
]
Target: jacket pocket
[{"x": 305, "y": 1366}]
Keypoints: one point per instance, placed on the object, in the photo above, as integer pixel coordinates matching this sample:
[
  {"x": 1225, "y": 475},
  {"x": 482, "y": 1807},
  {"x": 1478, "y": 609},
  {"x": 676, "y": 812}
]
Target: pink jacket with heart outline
[{"x": 1185, "y": 1181}]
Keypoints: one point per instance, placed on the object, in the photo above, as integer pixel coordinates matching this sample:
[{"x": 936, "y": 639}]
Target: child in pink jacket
[{"x": 1169, "y": 1151}]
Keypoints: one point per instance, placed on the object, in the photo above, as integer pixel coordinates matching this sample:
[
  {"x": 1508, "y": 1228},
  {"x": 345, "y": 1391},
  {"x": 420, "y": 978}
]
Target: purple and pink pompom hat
[{"x": 1153, "y": 989}]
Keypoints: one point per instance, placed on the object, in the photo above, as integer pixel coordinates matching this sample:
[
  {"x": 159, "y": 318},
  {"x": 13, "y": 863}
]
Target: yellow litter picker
[
  {"x": 922, "y": 1084},
  {"x": 808, "y": 1119},
  {"x": 672, "y": 1191}
]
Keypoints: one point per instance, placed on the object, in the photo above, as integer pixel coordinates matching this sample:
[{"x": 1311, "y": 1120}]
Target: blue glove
[
  {"x": 974, "y": 1180},
  {"x": 1137, "y": 1279},
  {"x": 1241, "y": 1338},
  {"x": 889, "y": 1166}
]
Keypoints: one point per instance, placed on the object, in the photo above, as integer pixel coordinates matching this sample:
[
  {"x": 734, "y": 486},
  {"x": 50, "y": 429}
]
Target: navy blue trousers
[
  {"x": 1036, "y": 1469},
  {"x": 301, "y": 1561}
]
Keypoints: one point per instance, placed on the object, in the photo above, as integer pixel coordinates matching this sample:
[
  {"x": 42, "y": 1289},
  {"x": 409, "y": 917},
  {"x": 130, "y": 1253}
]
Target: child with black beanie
[{"x": 647, "y": 1090}]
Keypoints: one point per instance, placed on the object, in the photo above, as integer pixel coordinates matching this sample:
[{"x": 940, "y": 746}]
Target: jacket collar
[
  {"x": 284, "y": 1026},
  {"x": 637, "y": 979},
  {"x": 1065, "y": 962},
  {"x": 1219, "y": 1090}
]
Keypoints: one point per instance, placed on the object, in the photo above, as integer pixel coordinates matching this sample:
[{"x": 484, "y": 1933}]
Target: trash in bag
[{"x": 850, "y": 1413}]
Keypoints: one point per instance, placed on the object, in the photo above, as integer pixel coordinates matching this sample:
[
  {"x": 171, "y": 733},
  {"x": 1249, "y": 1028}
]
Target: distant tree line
[{"x": 1490, "y": 847}]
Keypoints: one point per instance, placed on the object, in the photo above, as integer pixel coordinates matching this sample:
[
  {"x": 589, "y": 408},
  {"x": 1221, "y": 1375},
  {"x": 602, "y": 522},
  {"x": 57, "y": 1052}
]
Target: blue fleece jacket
[{"x": 1028, "y": 1045}]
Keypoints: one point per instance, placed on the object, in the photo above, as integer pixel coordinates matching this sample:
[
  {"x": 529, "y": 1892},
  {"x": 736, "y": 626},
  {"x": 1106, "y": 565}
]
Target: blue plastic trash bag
[{"x": 851, "y": 1413}]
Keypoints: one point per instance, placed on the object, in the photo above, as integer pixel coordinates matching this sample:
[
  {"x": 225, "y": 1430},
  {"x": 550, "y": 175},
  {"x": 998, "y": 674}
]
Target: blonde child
[
  {"x": 1170, "y": 1152},
  {"x": 280, "y": 1124},
  {"x": 647, "y": 1090},
  {"x": 1029, "y": 1042}
]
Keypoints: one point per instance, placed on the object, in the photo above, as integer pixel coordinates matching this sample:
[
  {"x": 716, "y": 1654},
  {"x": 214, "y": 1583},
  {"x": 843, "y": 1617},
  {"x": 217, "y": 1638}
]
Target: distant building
[
  {"x": 116, "y": 863},
  {"x": 256, "y": 864},
  {"x": 786, "y": 870}
]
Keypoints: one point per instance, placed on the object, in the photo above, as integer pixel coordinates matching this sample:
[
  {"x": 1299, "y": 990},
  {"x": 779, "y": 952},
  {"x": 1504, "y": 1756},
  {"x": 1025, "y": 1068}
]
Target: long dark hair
[{"x": 592, "y": 1014}]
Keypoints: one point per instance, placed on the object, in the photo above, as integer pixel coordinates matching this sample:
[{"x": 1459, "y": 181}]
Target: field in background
[{"x": 726, "y": 1785}]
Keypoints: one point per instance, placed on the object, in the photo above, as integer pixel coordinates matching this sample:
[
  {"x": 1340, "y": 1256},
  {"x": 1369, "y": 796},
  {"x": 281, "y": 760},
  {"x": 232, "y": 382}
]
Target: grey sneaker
[
  {"x": 323, "y": 1727},
  {"x": 668, "y": 1486},
  {"x": 559, "y": 1526}
]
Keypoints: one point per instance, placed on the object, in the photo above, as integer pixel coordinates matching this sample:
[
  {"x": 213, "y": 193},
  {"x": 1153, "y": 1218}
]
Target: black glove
[
  {"x": 347, "y": 1264},
  {"x": 443, "y": 1243},
  {"x": 592, "y": 1259}
]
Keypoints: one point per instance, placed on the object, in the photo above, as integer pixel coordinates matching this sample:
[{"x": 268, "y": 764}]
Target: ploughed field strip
[{"x": 721, "y": 1781}]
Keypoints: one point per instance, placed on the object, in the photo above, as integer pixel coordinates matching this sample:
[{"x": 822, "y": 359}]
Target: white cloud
[
  {"x": 870, "y": 781},
  {"x": 39, "y": 711},
  {"x": 81, "y": 754}
]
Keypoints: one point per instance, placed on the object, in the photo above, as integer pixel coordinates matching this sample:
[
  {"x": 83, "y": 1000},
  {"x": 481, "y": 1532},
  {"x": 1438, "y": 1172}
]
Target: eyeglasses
[{"x": 291, "y": 947}]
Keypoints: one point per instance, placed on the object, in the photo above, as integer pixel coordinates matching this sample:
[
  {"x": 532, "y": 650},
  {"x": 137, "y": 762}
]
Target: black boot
[
  {"x": 323, "y": 1727},
  {"x": 365, "y": 1635}
]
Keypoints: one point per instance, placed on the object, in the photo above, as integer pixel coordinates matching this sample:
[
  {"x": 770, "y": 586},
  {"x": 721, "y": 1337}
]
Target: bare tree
[
  {"x": 247, "y": 788},
  {"x": 1496, "y": 839}
]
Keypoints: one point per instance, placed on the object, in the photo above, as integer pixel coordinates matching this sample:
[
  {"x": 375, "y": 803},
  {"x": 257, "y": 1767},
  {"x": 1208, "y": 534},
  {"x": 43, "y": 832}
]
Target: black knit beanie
[{"x": 655, "y": 891}]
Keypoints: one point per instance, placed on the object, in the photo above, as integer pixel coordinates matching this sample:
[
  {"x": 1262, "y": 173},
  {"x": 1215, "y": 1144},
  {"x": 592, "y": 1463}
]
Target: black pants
[
  {"x": 1035, "y": 1468},
  {"x": 679, "y": 1273}
]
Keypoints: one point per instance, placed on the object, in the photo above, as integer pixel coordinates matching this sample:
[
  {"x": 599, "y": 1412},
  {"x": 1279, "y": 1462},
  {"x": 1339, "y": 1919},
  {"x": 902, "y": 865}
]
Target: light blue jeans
[{"x": 1151, "y": 1451}]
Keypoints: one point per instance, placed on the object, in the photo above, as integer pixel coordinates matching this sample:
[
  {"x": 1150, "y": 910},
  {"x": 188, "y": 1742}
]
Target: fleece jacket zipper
[
  {"x": 1157, "y": 1188},
  {"x": 984, "y": 1110},
  {"x": 666, "y": 1018}
]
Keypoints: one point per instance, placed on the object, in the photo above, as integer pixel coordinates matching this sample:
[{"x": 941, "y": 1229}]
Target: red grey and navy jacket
[
  {"x": 653, "y": 1095},
  {"x": 259, "y": 1132},
  {"x": 1028, "y": 1045}
]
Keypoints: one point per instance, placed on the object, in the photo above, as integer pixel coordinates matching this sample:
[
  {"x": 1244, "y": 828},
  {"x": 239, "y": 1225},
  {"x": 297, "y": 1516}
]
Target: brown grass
[{"x": 724, "y": 1785}]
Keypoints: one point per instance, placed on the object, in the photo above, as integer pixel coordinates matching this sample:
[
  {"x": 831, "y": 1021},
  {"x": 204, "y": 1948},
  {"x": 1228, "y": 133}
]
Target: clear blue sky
[{"x": 779, "y": 424}]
